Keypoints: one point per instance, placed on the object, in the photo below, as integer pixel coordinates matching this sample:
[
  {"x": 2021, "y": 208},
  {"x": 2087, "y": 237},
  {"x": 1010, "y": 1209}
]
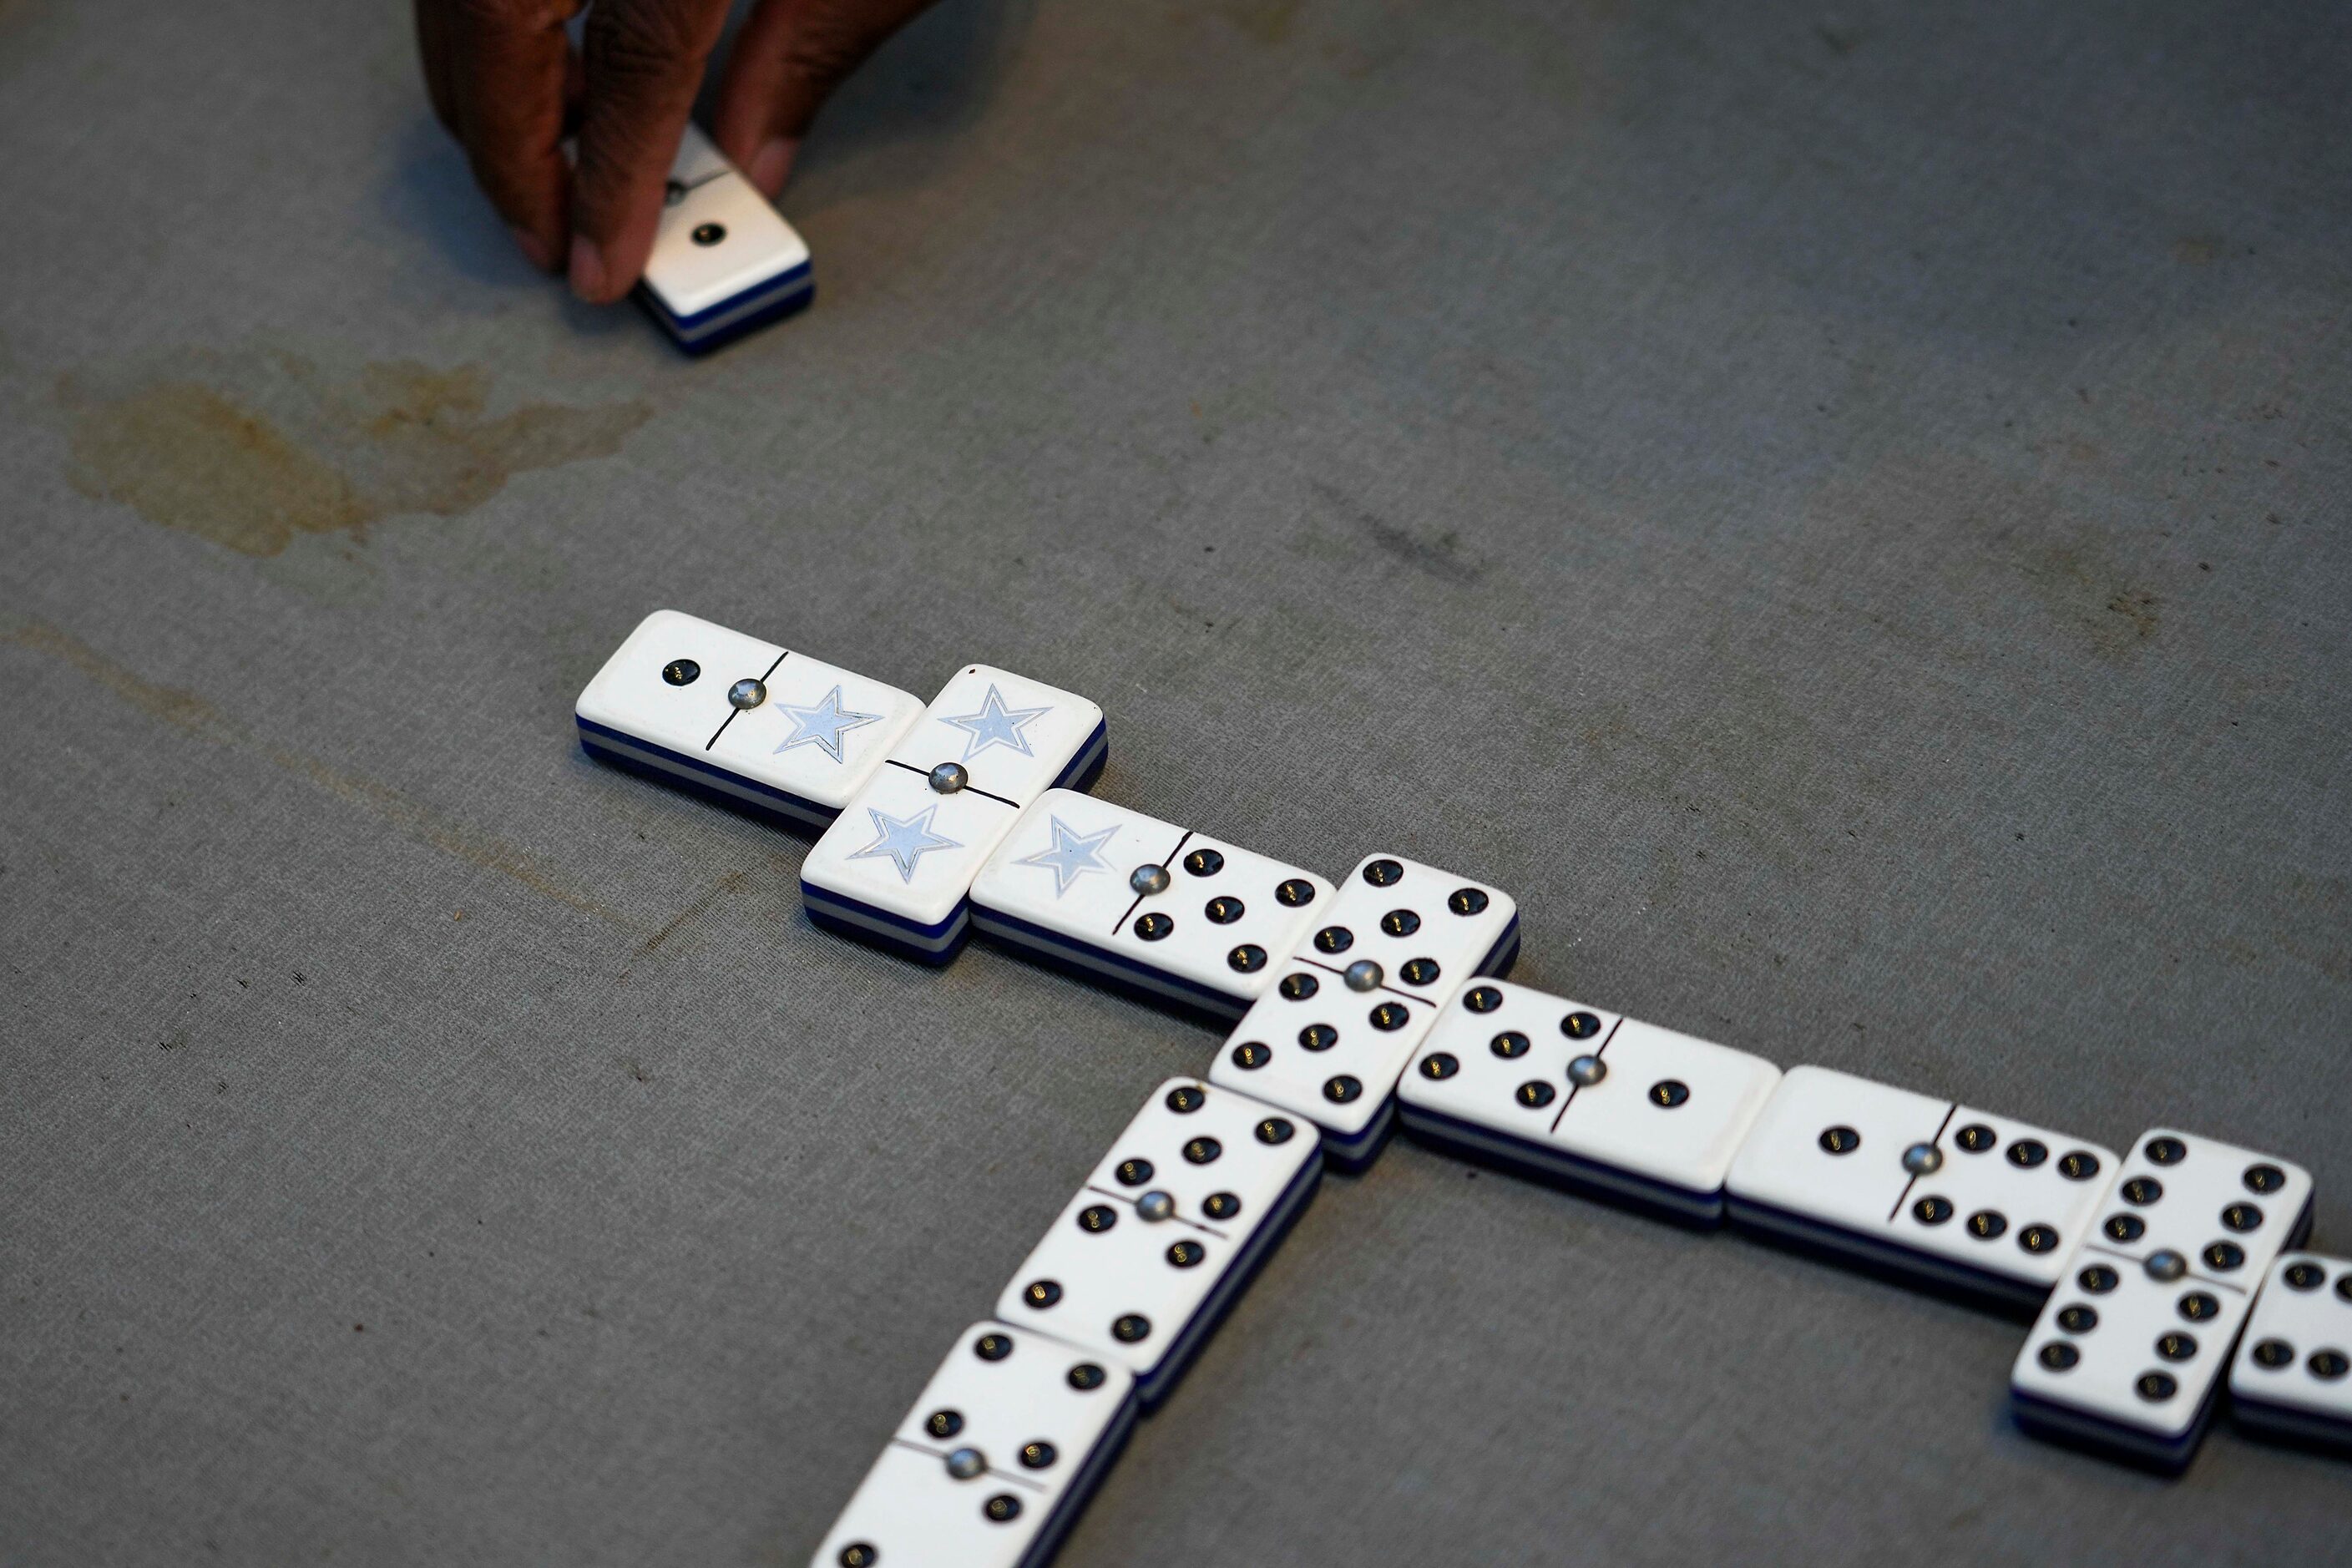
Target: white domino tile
[
  {"x": 723, "y": 257},
  {"x": 748, "y": 719},
  {"x": 2292, "y": 1377},
  {"x": 1919, "y": 1184},
  {"x": 898, "y": 865},
  {"x": 994, "y": 1461},
  {"x": 2132, "y": 1349},
  {"x": 1167, "y": 1230},
  {"x": 1143, "y": 903},
  {"x": 1351, "y": 1003},
  {"x": 1585, "y": 1096},
  {"x": 2127, "y": 1357}
]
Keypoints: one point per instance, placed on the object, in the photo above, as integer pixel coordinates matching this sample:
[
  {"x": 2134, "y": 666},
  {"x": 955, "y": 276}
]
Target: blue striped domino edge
[
  {"x": 1212, "y": 1310},
  {"x": 1558, "y": 1166},
  {"x": 2072, "y": 1427},
  {"x": 1808, "y": 1234},
  {"x": 1105, "y": 964},
  {"x": 2289, "y": 1423},
  {"x": 1081, "y": 1490},
  {"x": 722, "y": 323},
  {"x": 609, "y": 745}
]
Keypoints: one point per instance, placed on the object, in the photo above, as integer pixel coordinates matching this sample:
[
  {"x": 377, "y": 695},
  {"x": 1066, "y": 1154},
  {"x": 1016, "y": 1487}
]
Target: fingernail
[
  {"x": 771, "y": 163},
  {"x": 533, "y": 249},
  {"x": 587, "y": 269}
]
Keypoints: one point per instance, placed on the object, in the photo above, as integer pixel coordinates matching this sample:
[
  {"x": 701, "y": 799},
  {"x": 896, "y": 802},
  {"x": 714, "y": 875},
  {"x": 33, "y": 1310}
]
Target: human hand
[{"x": 508, "y": 84}]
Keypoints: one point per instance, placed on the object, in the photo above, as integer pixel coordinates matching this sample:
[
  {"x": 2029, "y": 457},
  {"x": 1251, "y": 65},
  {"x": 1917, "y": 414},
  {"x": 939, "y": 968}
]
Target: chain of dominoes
[{"x": 1380, "y": 1000}]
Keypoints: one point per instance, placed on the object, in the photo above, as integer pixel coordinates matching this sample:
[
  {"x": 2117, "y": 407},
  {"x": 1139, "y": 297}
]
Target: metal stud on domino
[
  {"x": 1946, "y": 1194},
  {"x": 724, "y": 262},
  {"x": 1147, "y": 1256},
  {"x": 1356, "y": 997},
  {"x": 2130, "y": 1352},
  {"x": 992, "y": 1464},
  {"x": 1591, "y": 1100}
]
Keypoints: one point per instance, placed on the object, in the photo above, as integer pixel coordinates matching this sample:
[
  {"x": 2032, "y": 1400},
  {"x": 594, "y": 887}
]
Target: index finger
[
  {"x": 496, "y": 69},
  {"x": 644, "y": 61}
]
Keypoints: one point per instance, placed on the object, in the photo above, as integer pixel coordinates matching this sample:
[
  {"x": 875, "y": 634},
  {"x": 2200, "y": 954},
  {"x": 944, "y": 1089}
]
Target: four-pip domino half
[{"x": 2156, "y": 1276}]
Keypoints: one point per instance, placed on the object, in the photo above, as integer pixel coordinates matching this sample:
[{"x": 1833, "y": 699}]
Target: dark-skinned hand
[{"x": 507, "y": 83}]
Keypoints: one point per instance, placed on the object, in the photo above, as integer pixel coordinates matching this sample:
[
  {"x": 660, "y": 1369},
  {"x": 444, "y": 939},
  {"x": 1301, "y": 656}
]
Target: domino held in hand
[
  {"x": 690, "y": 702},
  {"x": 724, "y": 262},
  {"x": 993, "y": 1463},
  {"x": 1144, "y": 904}
]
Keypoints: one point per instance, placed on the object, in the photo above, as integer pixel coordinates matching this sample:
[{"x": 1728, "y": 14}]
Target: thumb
[{"x": 786, "y": 62}]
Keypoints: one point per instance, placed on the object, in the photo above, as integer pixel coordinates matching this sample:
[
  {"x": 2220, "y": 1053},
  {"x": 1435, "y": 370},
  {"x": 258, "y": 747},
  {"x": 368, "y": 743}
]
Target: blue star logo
[
  {"x": 822, "y": 725},
  {"x": 1073, "y": 854},
  {"x": 994, "y": 725},
  {"x": 903, "y": 840}
]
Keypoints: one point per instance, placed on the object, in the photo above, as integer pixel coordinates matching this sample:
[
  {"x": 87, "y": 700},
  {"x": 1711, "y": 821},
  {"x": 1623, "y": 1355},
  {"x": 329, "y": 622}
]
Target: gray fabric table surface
[{"x": 1842, "y": 512}]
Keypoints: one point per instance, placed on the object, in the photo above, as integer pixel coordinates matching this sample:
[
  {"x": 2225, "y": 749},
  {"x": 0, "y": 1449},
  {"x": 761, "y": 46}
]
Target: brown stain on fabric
[
  {"x": 182, "y": 455},
  {"x": 1433, "y": 552},
  {"x": 252, "y": 451},
  {"x": 2003, "y": 552},
  {"x": 692, "y": 914},
  {"x": 191, "y": 714},
  {"x": 2082, "y": 588},
  {"x": 2197, "y": 250}
]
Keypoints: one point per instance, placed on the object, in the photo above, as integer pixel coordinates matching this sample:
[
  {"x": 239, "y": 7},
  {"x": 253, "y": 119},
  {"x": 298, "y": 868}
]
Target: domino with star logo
[
  {"x": 896, "y": 868},
  {"x": 750, "y": 723},
  {"x": 1144, "y": 905}
]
